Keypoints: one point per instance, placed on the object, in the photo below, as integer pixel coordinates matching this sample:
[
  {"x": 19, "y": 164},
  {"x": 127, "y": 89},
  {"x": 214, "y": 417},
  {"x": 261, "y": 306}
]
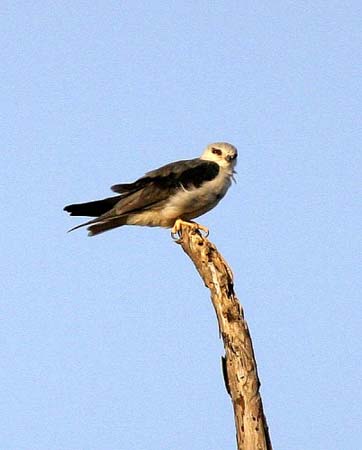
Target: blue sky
[{"x": 111, "y": 342}]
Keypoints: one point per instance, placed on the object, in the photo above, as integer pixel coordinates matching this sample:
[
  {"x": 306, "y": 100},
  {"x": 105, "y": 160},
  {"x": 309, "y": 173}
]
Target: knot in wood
[{"x": 233, "y": 313}]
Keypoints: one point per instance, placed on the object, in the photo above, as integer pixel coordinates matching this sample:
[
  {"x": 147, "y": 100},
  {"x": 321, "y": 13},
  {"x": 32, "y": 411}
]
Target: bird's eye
[{"x": 216, "y": 151}]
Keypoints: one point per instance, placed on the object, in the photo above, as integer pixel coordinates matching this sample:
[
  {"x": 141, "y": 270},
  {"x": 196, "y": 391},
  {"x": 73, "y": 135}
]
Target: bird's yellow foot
[{"x": 196, "y": 227}]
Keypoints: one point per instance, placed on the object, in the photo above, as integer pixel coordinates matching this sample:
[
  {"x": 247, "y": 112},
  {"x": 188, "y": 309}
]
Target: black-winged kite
[{"x": 165, "y": 197}]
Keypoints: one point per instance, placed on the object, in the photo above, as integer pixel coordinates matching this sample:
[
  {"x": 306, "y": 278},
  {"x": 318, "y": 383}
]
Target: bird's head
[{"x": 222, "y": 153}]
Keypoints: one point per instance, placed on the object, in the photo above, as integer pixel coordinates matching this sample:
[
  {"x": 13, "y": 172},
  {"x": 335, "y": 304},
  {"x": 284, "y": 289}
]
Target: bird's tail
[
  {"x": 92, "y": 209},
  {"x": 99, "y": 225},
  {"x": 105, "y": 225}
]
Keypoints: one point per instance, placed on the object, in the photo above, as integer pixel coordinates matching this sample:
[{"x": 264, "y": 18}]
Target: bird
[{"x": 170, "y": 196}]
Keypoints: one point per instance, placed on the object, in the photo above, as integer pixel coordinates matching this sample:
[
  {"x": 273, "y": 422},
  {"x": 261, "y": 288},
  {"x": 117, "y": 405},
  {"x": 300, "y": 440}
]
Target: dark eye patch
[{"x": 216, "y": 151}]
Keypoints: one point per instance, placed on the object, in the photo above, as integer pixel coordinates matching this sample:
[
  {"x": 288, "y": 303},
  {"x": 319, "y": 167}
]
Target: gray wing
[
  {"x": 152, "y": 189},
  {"x": 158, "y": 185}
]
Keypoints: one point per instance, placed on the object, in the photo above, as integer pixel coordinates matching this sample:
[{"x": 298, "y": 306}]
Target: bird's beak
[{"x": 231, "y": 157}]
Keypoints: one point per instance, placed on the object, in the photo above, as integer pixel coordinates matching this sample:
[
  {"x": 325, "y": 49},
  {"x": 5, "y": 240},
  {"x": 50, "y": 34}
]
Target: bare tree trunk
[{"x": 239, "y": 365}]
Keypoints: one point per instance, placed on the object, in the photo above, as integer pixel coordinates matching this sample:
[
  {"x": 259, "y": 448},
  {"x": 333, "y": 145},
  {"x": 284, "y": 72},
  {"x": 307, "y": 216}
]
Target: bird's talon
[
  {"x": 175, "y": 235},
  {"x": 176, "y": 231},
  {"x": 203, "y": 231}
]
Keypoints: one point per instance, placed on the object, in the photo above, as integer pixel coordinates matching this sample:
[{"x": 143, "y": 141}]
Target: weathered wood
[{"x": 239, "y": 365}]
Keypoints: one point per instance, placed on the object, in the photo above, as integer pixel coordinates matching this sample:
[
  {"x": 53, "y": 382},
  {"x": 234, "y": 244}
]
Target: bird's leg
[{"x": 176, "y": 229}]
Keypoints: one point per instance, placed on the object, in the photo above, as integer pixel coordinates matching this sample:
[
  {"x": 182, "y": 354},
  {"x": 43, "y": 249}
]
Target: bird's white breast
[{"x": 190, "y": 203}]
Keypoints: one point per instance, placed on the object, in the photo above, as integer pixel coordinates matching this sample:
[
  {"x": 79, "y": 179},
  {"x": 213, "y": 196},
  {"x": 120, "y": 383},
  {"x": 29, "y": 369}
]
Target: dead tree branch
[{"x": 239, "y": 365}]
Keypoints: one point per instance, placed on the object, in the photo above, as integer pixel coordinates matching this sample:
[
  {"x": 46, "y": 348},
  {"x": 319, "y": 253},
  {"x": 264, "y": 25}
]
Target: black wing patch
[
  {"x": 196, "y": 176},
  {"x": 181, "y": 174}
]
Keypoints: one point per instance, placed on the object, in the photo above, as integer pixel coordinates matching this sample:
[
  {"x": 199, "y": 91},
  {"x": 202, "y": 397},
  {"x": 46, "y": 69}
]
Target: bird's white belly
[{"x": 188, "y": 204}]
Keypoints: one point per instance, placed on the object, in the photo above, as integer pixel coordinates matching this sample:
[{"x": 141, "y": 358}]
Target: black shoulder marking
[
  {"x": 191, "y": 172},
  {"x": 162, "y": 175},
  {"x": 184, "y": 177},
  {"x": 196, "y": 176}
]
